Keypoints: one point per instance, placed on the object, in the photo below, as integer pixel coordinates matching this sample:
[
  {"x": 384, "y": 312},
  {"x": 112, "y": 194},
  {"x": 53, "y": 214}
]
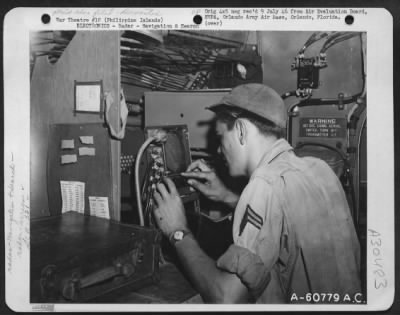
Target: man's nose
[{"x": 219, "y": 151}]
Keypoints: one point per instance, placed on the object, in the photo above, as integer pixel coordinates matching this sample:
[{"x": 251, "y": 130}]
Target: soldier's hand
[
  {"x": 169, "y": 211},
  {"x": 203, "y": 178}
]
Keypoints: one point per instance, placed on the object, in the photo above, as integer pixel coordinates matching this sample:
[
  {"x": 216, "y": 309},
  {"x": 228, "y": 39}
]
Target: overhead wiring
[
  {"x": 311, "y": 40},
  {"x": 340, "y": 37}
]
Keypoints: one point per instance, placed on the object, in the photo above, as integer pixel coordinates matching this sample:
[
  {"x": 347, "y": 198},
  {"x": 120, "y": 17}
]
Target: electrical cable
[
  {"x": 352, "y": 197},
  {"x": 146, "y": 194},
  {"x": 337, "y": 39},
  {"x": 172, "y": 60},
  {"x": 324, "y": 101},
  {"x": 332, "y": 37},
  {"x": 358, "y": 172},
  {"x": 314, "y": 38},
  {"x": 147, "y": 212},
  {"x": 340, "y": 39},
  {"x": 149, "y": 196},
  {"x": 158, "y": 136},
  {"x": 145, "y": 184},
  {"x": 311, "y": 40},
  {"x": 137, "y": 180},
  {"x": 225, "y": 217},
  {"x": 363, "y": 64}
]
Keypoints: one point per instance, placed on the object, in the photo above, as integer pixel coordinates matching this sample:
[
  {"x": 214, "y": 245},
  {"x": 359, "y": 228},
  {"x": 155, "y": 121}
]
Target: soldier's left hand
[{"x": 169, "y": 212}]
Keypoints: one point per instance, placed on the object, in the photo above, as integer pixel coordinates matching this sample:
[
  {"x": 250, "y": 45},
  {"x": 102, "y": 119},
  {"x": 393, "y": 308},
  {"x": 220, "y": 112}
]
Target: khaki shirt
[{"x": 293, "y": 233}]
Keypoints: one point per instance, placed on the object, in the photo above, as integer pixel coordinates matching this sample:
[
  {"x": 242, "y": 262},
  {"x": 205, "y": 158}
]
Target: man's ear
[{"x": 241, "y": 130}]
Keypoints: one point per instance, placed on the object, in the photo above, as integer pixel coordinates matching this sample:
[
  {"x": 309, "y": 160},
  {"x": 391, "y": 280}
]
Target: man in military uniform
[{"x": 294, "y": 239}]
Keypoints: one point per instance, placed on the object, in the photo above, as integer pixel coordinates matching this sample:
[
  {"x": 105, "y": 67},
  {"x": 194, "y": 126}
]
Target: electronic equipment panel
[
  {"x": 186, "y": 107},
  {"x": 170, "y": 157}
]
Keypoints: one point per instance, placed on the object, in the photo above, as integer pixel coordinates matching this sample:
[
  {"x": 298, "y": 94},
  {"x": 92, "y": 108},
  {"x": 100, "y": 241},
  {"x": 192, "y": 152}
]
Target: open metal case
[
  {"x": 170, "y": 158},
  {"x": 77, "y": 258}
]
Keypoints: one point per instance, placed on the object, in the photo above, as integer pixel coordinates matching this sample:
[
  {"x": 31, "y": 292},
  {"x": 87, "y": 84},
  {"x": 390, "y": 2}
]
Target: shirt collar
[{"x": 280, "y": 146}]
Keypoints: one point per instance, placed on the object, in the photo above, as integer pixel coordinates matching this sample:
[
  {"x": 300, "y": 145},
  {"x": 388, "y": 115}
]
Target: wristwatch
[{"x": 178, "y": 236}]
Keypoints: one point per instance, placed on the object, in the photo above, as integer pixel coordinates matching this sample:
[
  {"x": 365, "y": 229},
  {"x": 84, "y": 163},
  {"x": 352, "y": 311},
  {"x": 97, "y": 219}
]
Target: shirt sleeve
[
  {"x": 257, "y": 235},
  {"x": 248, "y": 267}
]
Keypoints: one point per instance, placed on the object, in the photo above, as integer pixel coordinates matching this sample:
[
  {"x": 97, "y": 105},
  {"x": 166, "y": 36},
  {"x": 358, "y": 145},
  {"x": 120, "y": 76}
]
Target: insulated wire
[
  {"x": 137, "y": 180},
  {"x": 337, "y": 38},
  {"x": 307, "y": 43},
  {"x": 225, "y": 217},
  {"x": 333, "y": 36},
  {"x": 359, "y": 170},
  {"x": 363, "y": 64},
  {"x": 312, "y": 39}
]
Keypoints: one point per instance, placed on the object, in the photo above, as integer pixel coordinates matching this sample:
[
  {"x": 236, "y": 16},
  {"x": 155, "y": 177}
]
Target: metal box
[
  {"x": 183, "y": 108},
  {"x": 78, "y": 258}
]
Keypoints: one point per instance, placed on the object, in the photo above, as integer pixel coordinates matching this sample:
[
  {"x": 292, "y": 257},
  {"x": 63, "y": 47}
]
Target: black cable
[
  {"x": 328, "y": 44},
  {"x": 322, "y": 101},
  {"x": 341, "y": 39},
  {"x": 147, "y": 210},
  {"x": 332, "y": 37},
  {"x": 146, "y": 179},
  {"x": 316, "y": 36},
  {"x": 362, "y": 64},
  {"x": 310, "y": 40},
  {"x": 174, "y": 62},
  {"x": 353, "y": 198}
]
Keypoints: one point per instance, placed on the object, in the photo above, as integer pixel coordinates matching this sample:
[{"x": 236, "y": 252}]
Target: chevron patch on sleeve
[{"x": 250, "y": 216}]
